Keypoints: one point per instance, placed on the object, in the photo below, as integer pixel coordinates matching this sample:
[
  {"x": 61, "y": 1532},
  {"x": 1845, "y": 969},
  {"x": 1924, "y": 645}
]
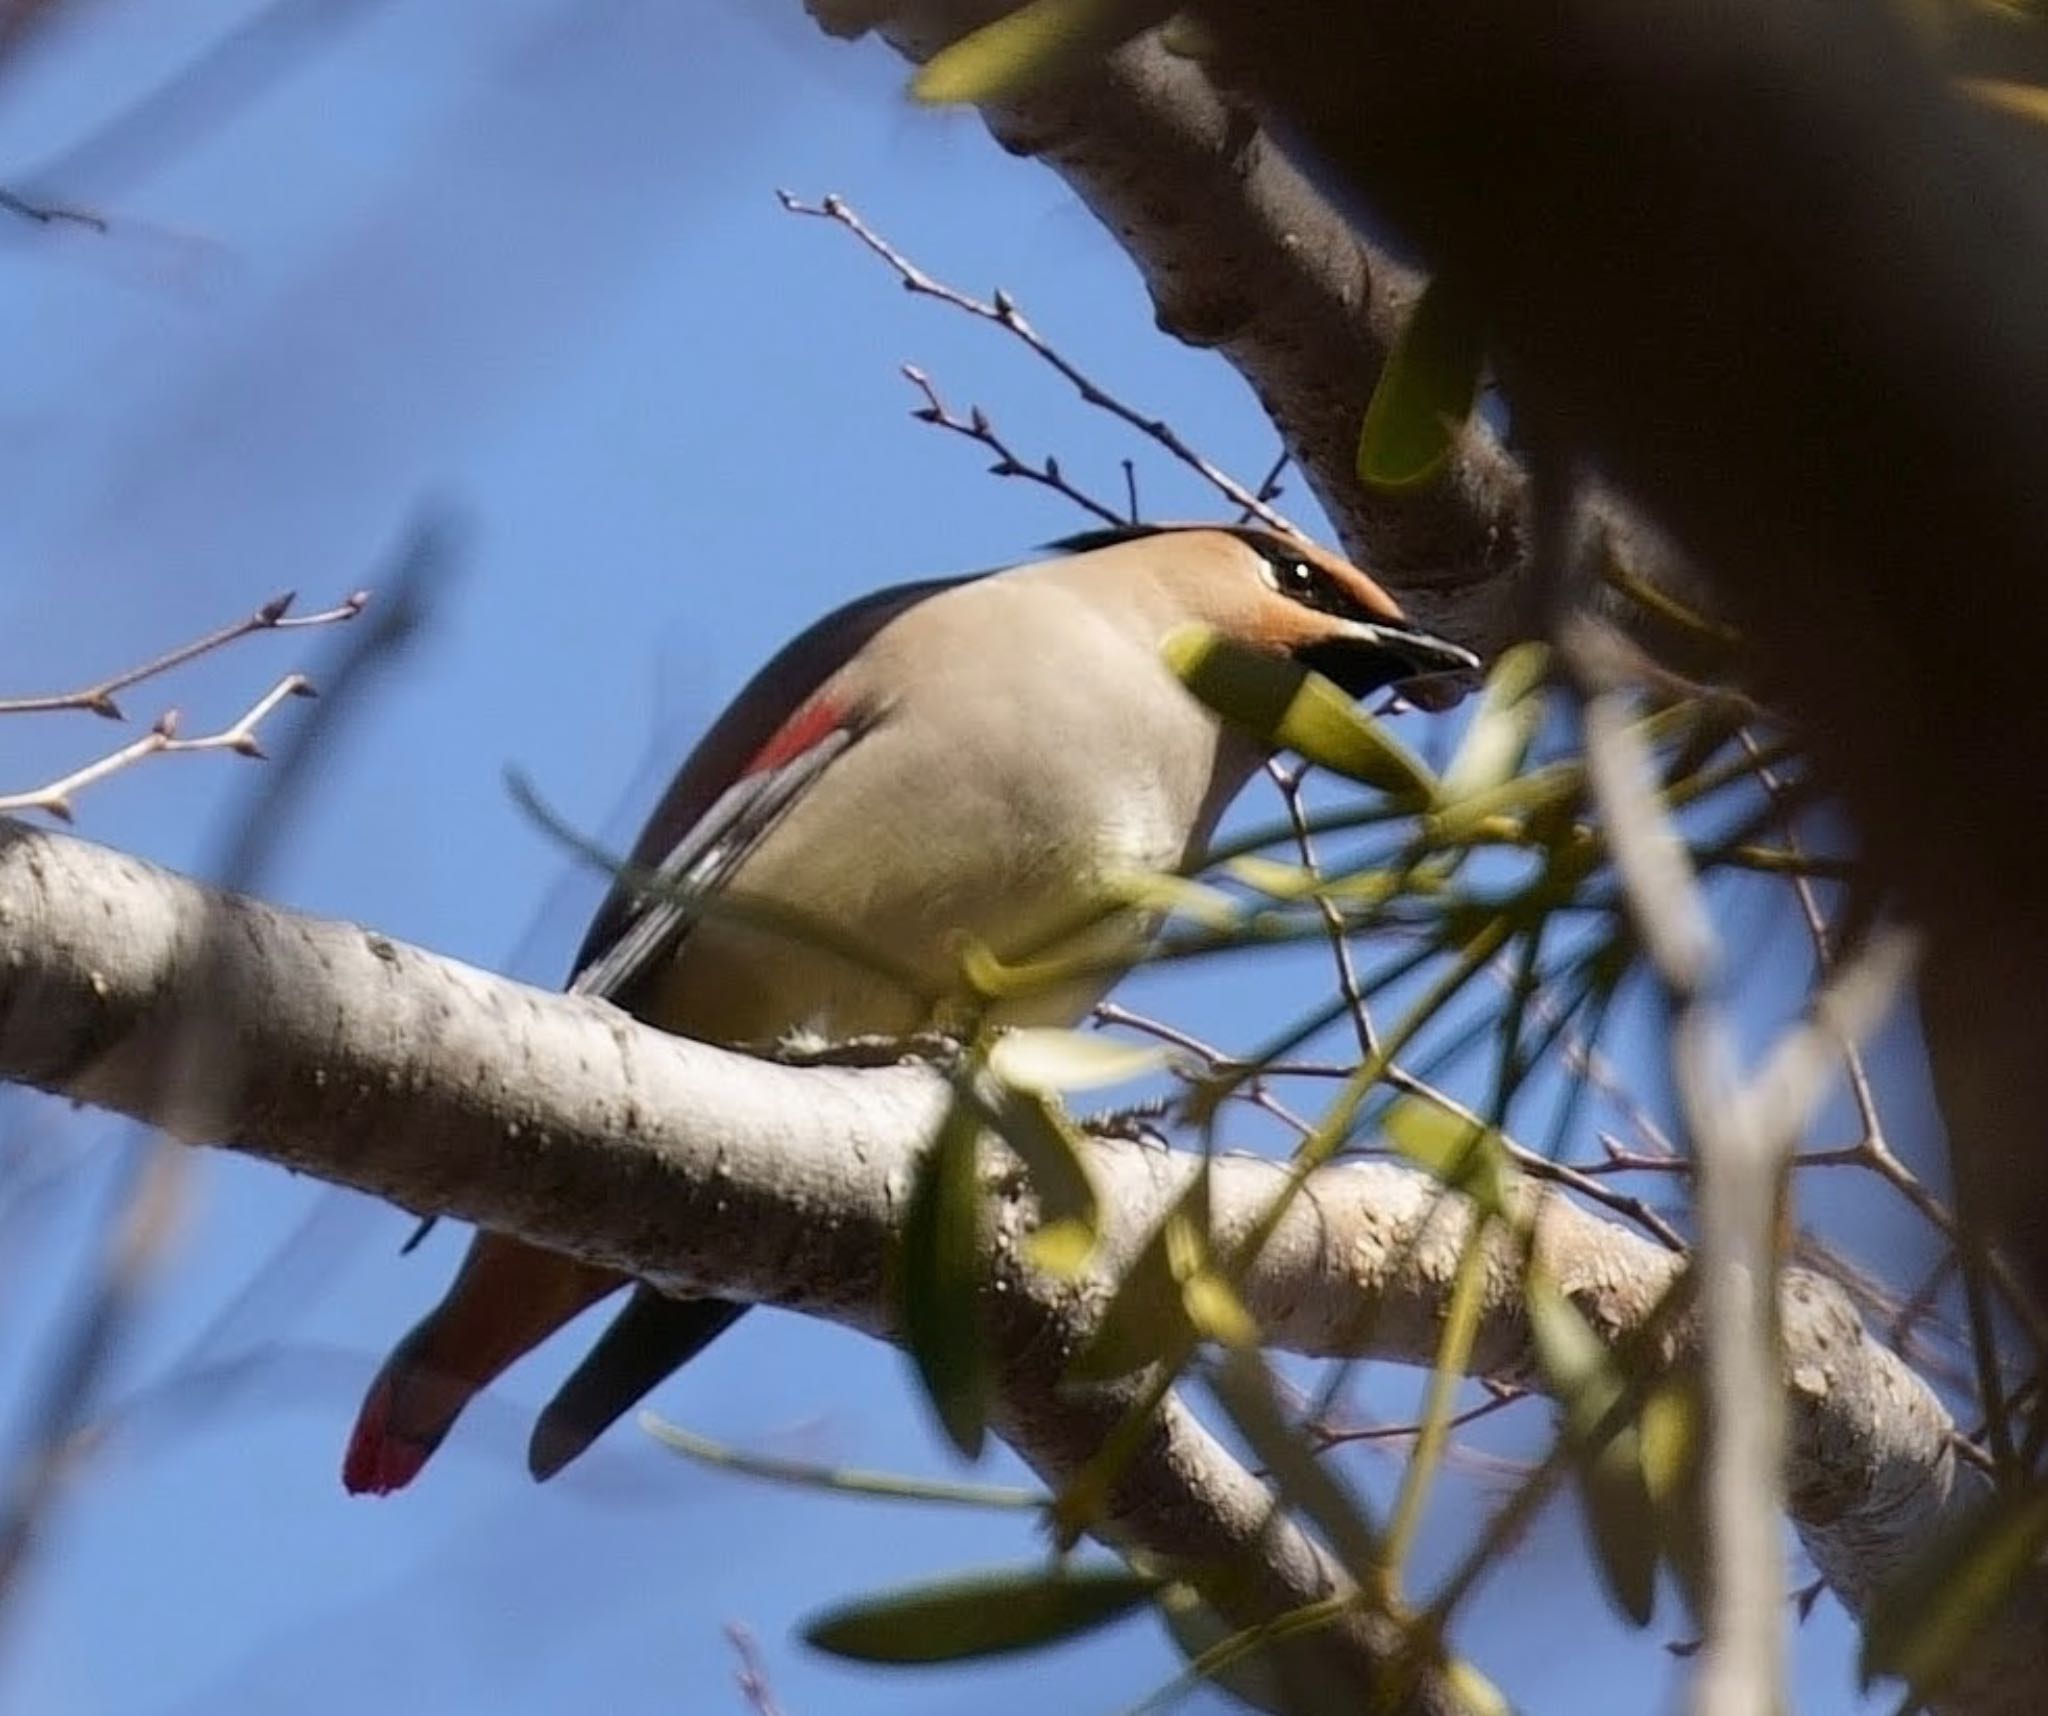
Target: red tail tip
[{"x": 377, "y": 1461}]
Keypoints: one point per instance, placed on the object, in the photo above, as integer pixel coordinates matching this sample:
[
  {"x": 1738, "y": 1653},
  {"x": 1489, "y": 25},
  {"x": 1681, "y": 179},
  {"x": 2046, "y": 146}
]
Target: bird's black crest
[{"x": 1108, "y": 536}]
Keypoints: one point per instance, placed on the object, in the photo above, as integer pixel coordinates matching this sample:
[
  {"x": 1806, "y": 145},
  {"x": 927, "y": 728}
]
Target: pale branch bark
[
  {"x": 1241, "y": 253},
  {"x": 384, "y": 1067}
]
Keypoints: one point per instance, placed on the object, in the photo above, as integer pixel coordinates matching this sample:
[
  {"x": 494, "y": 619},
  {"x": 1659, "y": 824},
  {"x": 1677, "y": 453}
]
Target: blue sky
[{"x": 522, "y": 261}]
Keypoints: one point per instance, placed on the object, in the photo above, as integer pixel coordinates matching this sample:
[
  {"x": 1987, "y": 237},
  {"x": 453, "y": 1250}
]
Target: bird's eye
[{"x": 1295, "y": 578}]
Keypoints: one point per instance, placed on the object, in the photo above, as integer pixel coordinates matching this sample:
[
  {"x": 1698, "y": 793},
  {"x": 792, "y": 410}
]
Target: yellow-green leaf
[
  {"x": 1474, "y": 1691},
  {"x": 1363, "y": 888},
  {"x": 1110, "y": 940},
  {"x": 1174, "y": 897},
  {"x": 1623, "y": 1525},
  {"x": 1549, "y": 794},
  {"x": 1518, "y": 672},
  {"x": 838, "y": 1480},
  {"x": 1583, "y": 1378},
  {"x": 1061, "y": 1247},
  {"x": 1465, "y": 1155},
  {"x": 1216, "y": 1311},
  {"x": 1671, "y": 1427},
  {"x": 1425, "y": 392},
  {"x": 1925, "y": 1620},
  {"x": 979, "y": 1615},
  {"x": 1672, "y": 1430},
  {"x": 1045, "y": 1059},
  {"x": 1377, "y": 887},
  {"x": 941, "y": 1279},
  {"x": 1502, "y": 727},
  {"x": 1284, "y": 705},
  {"x": 1068, "y": 1208},
  {"x": 994, "y": 978},
  {"x": 1453, "y": 1361},
  {"x": 1276, "y": 880},
  {"x": 1025, "y": 47}
]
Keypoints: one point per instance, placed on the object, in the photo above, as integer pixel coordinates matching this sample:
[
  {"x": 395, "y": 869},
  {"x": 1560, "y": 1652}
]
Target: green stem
[
  {"x": 1453, "y": 1360},
  {"x": 843, "y": 1480}
]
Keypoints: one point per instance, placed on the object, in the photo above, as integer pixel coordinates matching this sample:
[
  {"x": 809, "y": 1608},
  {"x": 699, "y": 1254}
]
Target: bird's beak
[{"x": 1370, "y": 655}]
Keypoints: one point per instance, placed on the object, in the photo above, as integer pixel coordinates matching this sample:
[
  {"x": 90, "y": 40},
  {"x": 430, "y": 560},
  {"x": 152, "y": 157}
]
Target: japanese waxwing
[{"x": 982, "y": 755}]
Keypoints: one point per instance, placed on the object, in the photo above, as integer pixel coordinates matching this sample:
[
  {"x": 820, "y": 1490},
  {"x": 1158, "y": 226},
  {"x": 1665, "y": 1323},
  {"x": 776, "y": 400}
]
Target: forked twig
[
  {"x": 976, "y": 427},
  {"x": 55, "y": 797},
  {"x": 274, "y": 616},
  {"x": 753, "y": 1674},
  {"x": 1001, "y": 309}
]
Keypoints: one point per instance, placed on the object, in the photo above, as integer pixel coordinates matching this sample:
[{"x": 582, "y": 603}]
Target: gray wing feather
[{"x": 666, "y": 904}]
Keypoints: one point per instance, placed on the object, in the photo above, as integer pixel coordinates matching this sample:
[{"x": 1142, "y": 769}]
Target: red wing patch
[{"x": 814, "y": 721}]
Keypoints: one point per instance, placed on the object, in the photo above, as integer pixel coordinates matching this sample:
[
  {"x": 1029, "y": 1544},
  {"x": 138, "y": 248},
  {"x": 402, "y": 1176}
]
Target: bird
[{"x": 977, "y": 756}]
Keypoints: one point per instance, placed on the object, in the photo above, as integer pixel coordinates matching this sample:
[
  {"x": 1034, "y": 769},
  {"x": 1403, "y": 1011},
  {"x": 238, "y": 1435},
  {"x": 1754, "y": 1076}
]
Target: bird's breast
[{"x": 933, "y": 832}]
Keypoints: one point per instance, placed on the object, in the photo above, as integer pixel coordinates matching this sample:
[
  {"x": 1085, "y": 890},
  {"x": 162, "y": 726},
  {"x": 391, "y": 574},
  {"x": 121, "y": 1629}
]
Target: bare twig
[
  {"x": 753, "y": 1674},
  {"x": 1808, "y": 898},
  {"x": 1252, "y": 1091},
  {"x": 161, "y": 740},
  {"x": 1585, "y": 1060},
  {"x": 274, "y": 616},
  {"x": 1288, "y": 782},
  {"x": 1326, "y": 1435},
  {"x": 1002, "y": 310},
  {"x": 1270, "y": 487},
  {"x": 1255, "y": 1091},
  {"x": 1790, "y": 1084},
  {"x": 146, "y": 1216},
  {"x": 50, "y": 214},
  {"x": 976, "y": 427}
]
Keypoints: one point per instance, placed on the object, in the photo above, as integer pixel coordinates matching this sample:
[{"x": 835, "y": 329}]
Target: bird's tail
[
  {"x": 508, "y": 1298},
  {"x": 653, "y": 1336}
]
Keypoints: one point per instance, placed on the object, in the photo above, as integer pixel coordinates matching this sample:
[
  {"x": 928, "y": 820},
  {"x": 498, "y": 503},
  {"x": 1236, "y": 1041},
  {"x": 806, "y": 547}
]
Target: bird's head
[{"x": 1287, "y": 597}]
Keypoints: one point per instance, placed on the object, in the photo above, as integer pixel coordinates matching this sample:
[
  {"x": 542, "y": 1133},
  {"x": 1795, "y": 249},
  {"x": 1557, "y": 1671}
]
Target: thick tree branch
[
  {"x": 384, "y": 1067},
  {"x": 451, "y": 1091}
]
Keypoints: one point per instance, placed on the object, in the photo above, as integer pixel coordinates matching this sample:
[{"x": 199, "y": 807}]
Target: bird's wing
[
  {"x": 750, "y": 767},
  {"x": 655, "y": 913}
]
